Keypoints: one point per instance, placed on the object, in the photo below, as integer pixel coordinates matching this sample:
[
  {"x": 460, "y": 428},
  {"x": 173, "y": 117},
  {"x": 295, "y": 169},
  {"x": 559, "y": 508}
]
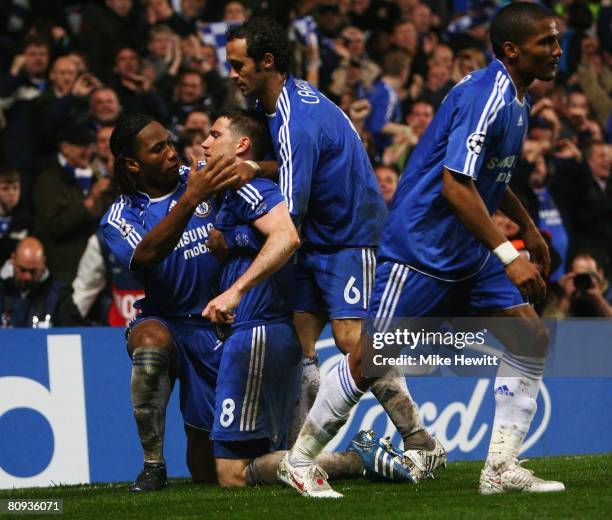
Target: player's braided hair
[
  {"x": 263, "y": 35},
  {"x": 122, "y": 145},
  {"x": 253, "y": 125},
  {"x": 514, "y": 23}
]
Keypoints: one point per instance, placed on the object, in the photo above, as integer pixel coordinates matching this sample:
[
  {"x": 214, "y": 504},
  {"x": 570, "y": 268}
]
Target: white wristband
[
  {"x": 253, "y": 165},
  {"x": 506, "y": 253}
]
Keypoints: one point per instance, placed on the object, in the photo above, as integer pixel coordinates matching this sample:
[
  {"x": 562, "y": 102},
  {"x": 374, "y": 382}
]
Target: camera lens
[{"x": 583, "y": 282}]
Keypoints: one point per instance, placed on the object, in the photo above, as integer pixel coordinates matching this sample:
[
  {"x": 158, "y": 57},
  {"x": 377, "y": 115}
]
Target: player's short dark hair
[
  {"x": 9, "y": 174},
  {"x": 263, "y": 35},
  {"x": 514, "y": 23},
  {"x": 253, "y": 125},
  {"x": 122, "y": 145}
]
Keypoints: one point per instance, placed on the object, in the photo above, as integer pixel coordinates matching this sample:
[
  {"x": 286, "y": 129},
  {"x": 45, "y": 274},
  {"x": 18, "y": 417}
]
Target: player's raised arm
[
  {"x": 461, "y": 193},
  {"x": 282, "y": 240}
]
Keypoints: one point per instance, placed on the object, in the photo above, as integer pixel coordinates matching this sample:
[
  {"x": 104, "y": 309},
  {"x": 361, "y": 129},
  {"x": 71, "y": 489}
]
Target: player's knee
[
  {"x": 150, "y": 334},
  {"x": 347, "y": 334}
]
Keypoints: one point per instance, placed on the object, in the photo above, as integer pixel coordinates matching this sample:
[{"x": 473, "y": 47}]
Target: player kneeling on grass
[
  {"x": 259, "y": 370},
  {"x": 157, "y": 229}
]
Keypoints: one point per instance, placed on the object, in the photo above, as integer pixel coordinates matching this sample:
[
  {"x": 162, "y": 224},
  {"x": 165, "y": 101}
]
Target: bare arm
[
  {"x": 282, "y": 241},
  {"x": 158, "y": 243},
  {"x": 534, "y": 242},
  {"x": 461, "y": 193}
]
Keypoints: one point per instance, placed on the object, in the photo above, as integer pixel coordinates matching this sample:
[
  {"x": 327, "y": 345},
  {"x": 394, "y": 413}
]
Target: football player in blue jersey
[
  {"x": 333, "y": 198},
  {"x": 259, "y": 371},
  {"x": 441, "y": 254},
  {"x": 158, "y": 228}
]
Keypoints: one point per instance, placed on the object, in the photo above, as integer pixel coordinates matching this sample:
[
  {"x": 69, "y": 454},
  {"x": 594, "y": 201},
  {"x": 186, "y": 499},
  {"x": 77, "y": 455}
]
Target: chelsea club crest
[{"x": 203, "y": 209}]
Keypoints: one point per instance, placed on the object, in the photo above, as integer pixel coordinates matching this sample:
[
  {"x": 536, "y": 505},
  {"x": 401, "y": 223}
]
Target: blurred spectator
[
  {"x": 108, "y": 27},
  {"x": 15, "y": 220},
  {"x": 388, "y": 179},
  {"x": 234, "y": 11},
  {"x": 595, "y": 79},
  {"x": 134, "y": 88},
  {"x": 384, "y": 121},
  {"x": 537, "y": 191},
  {"x": 26, "y": 80},
  {"x": 29, "y": 296},
  {"x": 437, "y": 85},
  {"x": 102, "y": 164},
  {"x": 164, "y": 56},
  {"x": 418, "y": 119},
  {"x": 302, "y": 35},
  {"x": 593, "y": 208},
  {"x": 161, "y": 11},
  {"x": 355, "y": 71},
  {"x": 191, "y": 94},
  {"x": 197, "y": 120},
  {"x": 189, "y": 145},
  {"x": 582, "y": 292},
  {"x": 104, "y": 107},
  {"x": 576, "y": 122},
  {"x": 466, "y": 61},
  {"x": 98, "y": 271},
  {"x": 69, "y": 202}
]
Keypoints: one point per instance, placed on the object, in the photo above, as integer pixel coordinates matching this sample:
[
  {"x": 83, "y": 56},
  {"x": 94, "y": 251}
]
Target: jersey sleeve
[
  {"x": 122, "y": 231},
  {"x": 383, "y": 109},
  {"x": 471, "y": 127},
  {"x": 298, "y": 157},
  {"x": 257, "y": 198}
]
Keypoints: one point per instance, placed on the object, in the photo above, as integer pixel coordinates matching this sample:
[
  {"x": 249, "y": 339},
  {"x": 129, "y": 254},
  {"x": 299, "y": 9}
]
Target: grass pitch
[{"x": 453, "y": 494}]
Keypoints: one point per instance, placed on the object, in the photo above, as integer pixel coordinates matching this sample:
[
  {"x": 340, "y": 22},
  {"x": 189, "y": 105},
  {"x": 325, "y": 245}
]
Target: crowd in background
[{"x": 68, "y": 69}]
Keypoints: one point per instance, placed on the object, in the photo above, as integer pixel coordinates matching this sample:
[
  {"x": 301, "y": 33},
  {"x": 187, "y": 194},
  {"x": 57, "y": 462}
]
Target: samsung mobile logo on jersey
[
  {"x": 506, "y": 162},
  {"x": 306, "y": 93}
]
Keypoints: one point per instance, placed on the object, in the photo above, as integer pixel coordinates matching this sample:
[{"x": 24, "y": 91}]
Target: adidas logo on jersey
[
  {"x": 520, "y": 121},
  {"x": 504, "y": 390}
]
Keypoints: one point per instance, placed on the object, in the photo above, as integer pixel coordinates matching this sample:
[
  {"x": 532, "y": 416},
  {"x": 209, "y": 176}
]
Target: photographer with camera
[{"x": 582, "y": 292}]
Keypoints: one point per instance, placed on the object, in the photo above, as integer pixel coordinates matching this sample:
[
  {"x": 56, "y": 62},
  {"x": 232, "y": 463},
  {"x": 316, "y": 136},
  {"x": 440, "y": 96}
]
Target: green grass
[{"x": 452, "y": 495}]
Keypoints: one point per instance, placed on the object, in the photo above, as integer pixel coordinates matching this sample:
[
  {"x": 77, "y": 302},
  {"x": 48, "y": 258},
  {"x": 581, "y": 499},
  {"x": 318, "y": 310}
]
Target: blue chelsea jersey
[
  {"x": 324, "y": 172},
  {"x": 478, "y": 131},
  {"x": 183, "y": 283},
  {"x": 268, "y": 300}
]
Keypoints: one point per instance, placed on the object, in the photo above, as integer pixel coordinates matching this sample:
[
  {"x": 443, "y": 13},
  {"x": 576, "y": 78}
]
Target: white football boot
[
  {"x": 509, "y": 475},
  {"x": 425, "y": 462},
  {"x": 308, "y": 481}
]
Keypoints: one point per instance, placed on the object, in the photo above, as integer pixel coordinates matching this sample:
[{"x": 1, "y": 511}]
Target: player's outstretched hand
[
  {"x": 538, "y": 249},
  {"x": 526, "y": 277},
  {"x": 216, "y": 175},
  {"x": 217, "y": 244},
  {"x": 222, "y": 308}
]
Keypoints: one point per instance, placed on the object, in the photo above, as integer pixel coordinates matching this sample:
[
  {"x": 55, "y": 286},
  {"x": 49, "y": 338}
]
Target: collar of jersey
[
  {"x": 143, "y": 198},
  {"x": 286, "y": 85},
  {"x": 499, "y": 64}
]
